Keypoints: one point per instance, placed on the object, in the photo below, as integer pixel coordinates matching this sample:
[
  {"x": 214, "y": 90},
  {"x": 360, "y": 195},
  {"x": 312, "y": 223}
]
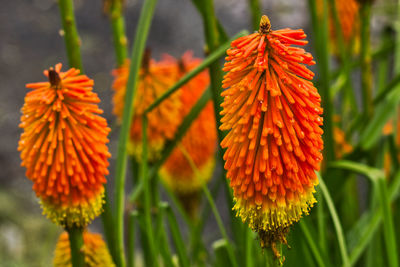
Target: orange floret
[
  {"x": 63, "y": 146},
  {"x": 272, "y": 112},
  {"x": 341, "y": 145}
]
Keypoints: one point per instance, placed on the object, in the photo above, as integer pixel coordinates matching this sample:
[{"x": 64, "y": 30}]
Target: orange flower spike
[
  {"x": 154, "y": 79},
  {"x": 272, "y": 112},
  {"x": 63, "y": 146},
  {"x": 191, "y": 163},
  {"x": 95, "y": 251}
]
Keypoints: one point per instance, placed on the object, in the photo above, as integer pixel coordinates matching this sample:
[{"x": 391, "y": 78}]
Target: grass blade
[
  {"x": 385, "y": 196},
  {"x": 336, "y": 222},
  {"x": 203, "y": 65},
  {"x": 131, "y": 239},
  {"x": 180, "y": 133},
  {"x": 143, "y": 27},
  {"x": 311, "y": 243},
  {"x": 220, "y": 225},
  {"x": 176, "y": 235}
]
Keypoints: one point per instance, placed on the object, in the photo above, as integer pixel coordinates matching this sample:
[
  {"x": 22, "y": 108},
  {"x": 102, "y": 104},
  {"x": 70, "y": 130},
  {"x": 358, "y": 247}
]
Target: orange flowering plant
[
  {"x": 63, "y": 146},
  {"x": 221, "y": 164},
  {"x": 274, "y": 144}
]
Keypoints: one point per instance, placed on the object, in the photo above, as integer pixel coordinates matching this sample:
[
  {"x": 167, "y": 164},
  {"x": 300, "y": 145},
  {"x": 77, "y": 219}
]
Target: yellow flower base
[
  {"x": 74, "y": 216},
  {"x": 153, "y": 151},
  {"x": 191, "y": 184},
  {"x": 275, "y": 216}
]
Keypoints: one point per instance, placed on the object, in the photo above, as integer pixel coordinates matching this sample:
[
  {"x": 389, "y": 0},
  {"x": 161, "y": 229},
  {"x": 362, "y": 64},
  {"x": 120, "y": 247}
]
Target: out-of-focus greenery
[{"x": 26, "y": 239}]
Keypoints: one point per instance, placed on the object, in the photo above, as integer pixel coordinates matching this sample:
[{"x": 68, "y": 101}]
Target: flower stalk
[
  {"x": 118, "y": 30},
  {"x": 71, "y": 37},
  {"x": 366, "y": 59},
  {"x": 137, "y": 54},
  {"x": 76, "y": 243}
]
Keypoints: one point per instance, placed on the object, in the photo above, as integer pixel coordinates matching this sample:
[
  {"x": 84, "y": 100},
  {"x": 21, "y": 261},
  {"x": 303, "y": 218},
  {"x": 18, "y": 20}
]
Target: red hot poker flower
[
  {"x": 191, "y": 163},
  {"x": 63, "y": 146},
  {"x": 272, "y": 112},
  {"x": 155, "y": 78}
]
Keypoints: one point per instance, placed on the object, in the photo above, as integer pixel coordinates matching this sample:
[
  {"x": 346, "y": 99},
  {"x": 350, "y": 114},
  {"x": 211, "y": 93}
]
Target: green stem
[
  {"x": 313, "y": 246},
  {"x": 248, "y": 248},
  {"x": 211, "y": 35},
  {"x": 161, "y": 237},
  {"x": 176, "y": 236},
  {"x": 374, "y": 218},
  {"x": 366, "y": 59},
  {"x": 147, "y": 195},
  {"x": 345, "y": 57},
  {"x": 217, "y": 54},
  {"x": 255, "y": 10},
  {"x": 181, "y": 131},
  {"x": 71, "y": 37},
  {"x": 271, "y": 260},
  {"x": 118, "y": 29},
  {"x": 143, "y": 27},
  {"x": 220, "y": 225},
  {"x": 322, "y": 236},
  {"x": 388, "y": 227},
  {"x": 322, "y": 51},
  {"x": 201, "y": 8},
  {"x": 76, "y": 243},
  {"x": 336, "y": 222},
  {"x": 108, "y": 226},
  {"x": 385, "y": 50},
  {"x": 131, "y": 239},
  {"x": 389, "y": 87}
]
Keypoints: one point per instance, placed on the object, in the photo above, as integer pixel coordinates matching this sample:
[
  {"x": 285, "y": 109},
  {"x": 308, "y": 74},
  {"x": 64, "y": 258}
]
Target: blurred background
[{"x": 31, "y": 42}]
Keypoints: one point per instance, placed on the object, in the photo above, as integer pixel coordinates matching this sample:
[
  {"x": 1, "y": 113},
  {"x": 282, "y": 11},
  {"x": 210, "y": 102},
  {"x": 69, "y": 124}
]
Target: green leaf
[
  {"x": 142, "y": 31},
  {"x": 311, "y": 243},
  {"x": 176, "y": 235},
  {"x": 385, "y": 195},
  {"x": 214, "y": 56},
  {"x": 336, "y": 221},
  {"x": 220, "y": 248}
]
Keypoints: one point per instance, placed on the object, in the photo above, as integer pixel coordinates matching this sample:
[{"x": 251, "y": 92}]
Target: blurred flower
[
  {"x": 95, "y": 251},
  {"x": 272, "y": 112},
  {"x": 388, "y": 128},
  {"x": 154, "y": 79},
  {"x": 341, "y": 145},
  {"x": 339, "y": 136},
  {"x": 191, "y": 163},
  {"x": 63, "y": 146},
  {"x": 348, "y": 14}
]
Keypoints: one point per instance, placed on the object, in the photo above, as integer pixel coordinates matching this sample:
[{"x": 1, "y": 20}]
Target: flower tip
[
  {"x": 54, "y": 78},
  {"x": 265, "y": 25}
]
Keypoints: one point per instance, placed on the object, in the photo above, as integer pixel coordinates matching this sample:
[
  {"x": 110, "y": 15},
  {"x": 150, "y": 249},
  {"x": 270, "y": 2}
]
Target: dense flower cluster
[
  {"x": 63, "y": 146},
  {"x": 272, "y": 112}
]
